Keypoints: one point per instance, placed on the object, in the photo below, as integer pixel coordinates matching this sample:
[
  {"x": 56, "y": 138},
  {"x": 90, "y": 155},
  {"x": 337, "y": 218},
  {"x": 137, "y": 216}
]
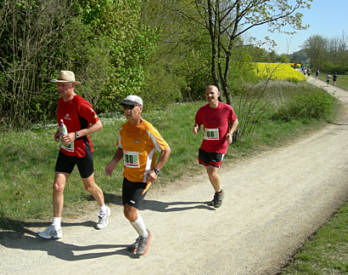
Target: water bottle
[{"x": 63, "y": 130}]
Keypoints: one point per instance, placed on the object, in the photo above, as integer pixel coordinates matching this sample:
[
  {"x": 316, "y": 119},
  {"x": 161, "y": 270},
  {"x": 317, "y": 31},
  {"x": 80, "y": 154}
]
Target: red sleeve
[
  {"x": 232, "y": 117},
  {"x": 86, "y": 111},
  {"x": 198, "y": 118}
]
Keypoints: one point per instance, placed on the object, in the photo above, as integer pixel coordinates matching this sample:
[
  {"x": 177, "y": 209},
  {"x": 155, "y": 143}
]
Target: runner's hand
[
  {"x": 109, "y": 168},
  {"x": 68, "y": 138},
  {"x": 195, "y": 129},
  {"x": 151, "y": 177},
  {"x": 229, "y": 138}
]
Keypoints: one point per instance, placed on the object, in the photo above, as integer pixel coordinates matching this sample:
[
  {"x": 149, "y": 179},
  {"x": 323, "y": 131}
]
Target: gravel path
[{"x": 273, "y": 202}]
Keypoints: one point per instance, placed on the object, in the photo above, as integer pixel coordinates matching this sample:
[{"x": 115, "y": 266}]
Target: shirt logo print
[{"x": 67, "y": 117}]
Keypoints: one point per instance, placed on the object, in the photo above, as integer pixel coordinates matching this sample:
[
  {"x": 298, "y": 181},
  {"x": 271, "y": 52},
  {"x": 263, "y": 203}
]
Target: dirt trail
[{"x": 273, "y": 202}]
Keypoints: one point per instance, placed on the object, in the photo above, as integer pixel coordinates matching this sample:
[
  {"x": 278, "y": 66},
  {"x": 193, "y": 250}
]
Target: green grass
[
  {"x": 342, "y": 80},
  {"x": 326, "y": 252}
]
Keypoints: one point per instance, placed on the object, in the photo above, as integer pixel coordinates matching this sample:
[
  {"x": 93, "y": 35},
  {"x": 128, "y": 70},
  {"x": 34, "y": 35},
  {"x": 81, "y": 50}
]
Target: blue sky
[{"x": 327, "y": 18}]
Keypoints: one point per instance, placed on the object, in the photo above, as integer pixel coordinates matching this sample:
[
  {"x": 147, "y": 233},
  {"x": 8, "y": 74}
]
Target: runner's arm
[
  {"x": 93, "y": 128},
  {"x": 198, "y": 122},
  {"x": 163, "y": 157},
  {"x": 70, "y": 137},
  {"x": 196, "y": 128},
  {"x": 112, "y": 164},
  {"x": 232, "y": 128}
]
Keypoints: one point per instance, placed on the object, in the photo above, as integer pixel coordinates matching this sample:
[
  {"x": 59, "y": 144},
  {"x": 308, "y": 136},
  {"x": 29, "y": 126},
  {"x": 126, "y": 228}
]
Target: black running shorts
[
  {"x": 132, "y": 193},
  {"x": 66, "y": 164},
  {"x": 207, "y": 158}
]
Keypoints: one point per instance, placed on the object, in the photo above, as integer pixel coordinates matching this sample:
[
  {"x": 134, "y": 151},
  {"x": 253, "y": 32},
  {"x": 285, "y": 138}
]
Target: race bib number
[
  {"x": 131, "y": 159},
  {"x": 211, "y": 133}
]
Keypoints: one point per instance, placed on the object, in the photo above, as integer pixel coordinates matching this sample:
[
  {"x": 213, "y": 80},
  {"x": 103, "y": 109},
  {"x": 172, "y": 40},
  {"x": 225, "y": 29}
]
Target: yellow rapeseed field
[{"x": 278, "y": 71}]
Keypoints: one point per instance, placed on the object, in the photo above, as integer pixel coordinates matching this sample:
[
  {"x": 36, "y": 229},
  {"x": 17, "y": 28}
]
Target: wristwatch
[
  {"x": 156, "y": 171},
  {"x": 76, "y": 135}
]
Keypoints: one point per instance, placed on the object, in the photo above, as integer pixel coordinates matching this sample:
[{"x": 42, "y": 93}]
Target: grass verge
[
  {"x": 326, "y": 251},
  {"x": 342, "y": 80}
]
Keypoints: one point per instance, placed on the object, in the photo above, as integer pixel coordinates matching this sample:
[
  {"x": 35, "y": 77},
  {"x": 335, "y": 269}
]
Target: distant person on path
[
  {"x": 334, "y": 78},
  {"x": 80, "y": 120},
  {"x": 137, "y": 144},
  {"x": 317, "y": 74},
  {"x": 328, "y": 80},
  {"x": 219, "y": 121}
]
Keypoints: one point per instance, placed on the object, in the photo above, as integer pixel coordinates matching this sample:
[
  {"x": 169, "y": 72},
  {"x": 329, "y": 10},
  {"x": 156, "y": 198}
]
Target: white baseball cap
[{"x": 132, "y": 100}]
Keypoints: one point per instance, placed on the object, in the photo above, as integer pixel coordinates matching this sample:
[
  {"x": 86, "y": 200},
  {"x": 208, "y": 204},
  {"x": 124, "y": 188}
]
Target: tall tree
[
  {"x": 329, "y": 55},
  {"x": 338, "y": 51},
  {"x": 226, "y": 21},
  {"x": 316, "y": 48},
  {"x": 179, "y": 67}
]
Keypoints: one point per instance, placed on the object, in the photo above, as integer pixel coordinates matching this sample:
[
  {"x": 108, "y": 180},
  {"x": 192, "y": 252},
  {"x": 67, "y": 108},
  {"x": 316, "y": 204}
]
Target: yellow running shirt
[{"x": 139, "y": 144}]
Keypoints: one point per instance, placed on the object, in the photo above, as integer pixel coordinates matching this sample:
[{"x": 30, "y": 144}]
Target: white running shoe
[
  {"x": 51, "y": 232},
  {"x": 103, "y": 218}
]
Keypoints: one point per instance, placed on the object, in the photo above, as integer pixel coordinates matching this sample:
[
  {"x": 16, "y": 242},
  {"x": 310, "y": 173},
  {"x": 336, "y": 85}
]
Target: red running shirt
[
  {"x": 77, "y": 114},
  {"x": 216, "y": 123}
]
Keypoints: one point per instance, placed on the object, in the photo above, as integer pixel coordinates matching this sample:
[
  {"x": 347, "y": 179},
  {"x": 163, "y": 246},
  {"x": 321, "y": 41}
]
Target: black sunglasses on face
[{"x": 128, "y": 107}]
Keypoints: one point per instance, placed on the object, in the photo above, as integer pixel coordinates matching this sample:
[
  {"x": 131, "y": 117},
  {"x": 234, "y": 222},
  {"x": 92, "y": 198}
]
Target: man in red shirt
[
  {"x": 219, "y": 121},
  {"x": 76, "y": 148}
]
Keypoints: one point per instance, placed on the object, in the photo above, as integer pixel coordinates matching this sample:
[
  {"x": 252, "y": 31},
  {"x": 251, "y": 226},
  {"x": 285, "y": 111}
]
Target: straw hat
[{"x": 66, "y": 77}]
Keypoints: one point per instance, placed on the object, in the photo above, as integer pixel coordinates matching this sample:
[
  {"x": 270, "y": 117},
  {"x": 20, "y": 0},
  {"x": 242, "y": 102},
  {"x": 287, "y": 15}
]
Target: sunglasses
[{"x": 128, "y": 107}]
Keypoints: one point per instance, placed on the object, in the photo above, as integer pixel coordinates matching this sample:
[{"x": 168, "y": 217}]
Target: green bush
[
  {"x": 335, "y": 68},
  {"x": 307, "y": 105},
  {"x": 162, "y": 85},
  {"x": 102, "y": 41}
]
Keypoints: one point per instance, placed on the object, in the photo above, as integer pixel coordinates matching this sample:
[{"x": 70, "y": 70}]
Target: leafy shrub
[
  {"x": 335, "y": 68},
  {"x": 161, "y": 87},
  {"x": 102, "y": 41},
  {"x": 307, "y": 105},
  {"x": 127, "y": 43}
]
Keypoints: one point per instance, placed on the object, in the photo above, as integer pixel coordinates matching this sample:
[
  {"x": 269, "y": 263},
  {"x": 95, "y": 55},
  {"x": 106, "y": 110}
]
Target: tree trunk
[
  {"x": 227, "y": 93},
  {"x": 212, "y": 31},
  {"x": 224, "y": 77}
]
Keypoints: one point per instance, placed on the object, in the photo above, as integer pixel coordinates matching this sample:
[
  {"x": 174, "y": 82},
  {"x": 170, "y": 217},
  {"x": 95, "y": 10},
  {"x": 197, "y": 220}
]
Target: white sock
[
  {"x": 140, "y": 227},
  {"x": 103, "y": 208},
  {"x": 56, "y": 222}
]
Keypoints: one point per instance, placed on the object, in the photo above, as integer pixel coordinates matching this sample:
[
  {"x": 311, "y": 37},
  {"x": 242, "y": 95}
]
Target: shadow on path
[
  {"x": 160, "y": 206},
  {"x": 15, "y": 234},
  {"x": 18, "y": 235}
]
